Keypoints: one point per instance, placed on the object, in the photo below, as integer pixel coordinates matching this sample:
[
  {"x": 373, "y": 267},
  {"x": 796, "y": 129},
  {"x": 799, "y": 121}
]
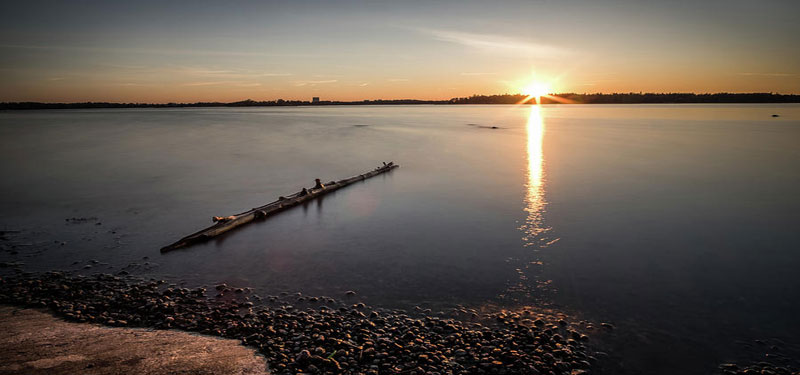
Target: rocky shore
[{"x": 326, "y": 335}]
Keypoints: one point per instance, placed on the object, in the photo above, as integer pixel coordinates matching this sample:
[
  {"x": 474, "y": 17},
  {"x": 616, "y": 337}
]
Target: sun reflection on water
[
  {"x": 534, "y": 227},
  {"x": 530, "y": 284}
]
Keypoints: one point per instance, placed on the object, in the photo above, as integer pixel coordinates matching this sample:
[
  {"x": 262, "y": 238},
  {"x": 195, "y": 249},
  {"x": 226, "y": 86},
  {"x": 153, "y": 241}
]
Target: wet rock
[{"x": 356, "y": 340}]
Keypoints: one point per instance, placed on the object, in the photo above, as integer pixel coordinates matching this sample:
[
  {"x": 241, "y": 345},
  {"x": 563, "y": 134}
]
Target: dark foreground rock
[
  {"x": 325, "y": 338},
  {"x": 758, "y": 368}
]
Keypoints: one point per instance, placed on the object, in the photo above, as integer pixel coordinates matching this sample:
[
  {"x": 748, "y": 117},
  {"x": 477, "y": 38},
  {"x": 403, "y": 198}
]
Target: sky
[{"x": 176, "y": 51}]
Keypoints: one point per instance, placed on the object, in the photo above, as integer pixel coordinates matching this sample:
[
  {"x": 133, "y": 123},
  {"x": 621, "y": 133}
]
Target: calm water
[{"x": 677, "y": 223}]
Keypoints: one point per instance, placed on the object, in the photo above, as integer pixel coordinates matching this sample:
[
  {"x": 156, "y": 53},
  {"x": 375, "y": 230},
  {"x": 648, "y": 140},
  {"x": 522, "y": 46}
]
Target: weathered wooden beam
[{"x": 224, "y": 224}]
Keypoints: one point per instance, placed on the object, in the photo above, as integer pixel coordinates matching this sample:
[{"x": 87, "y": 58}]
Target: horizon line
[{"x": 395, "y": 99}]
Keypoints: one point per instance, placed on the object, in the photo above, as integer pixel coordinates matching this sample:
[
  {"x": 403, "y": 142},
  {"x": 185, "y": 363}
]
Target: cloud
[
  {"x": 248, "y": 84},
  {"x": 314, "y": 83},
  {"x": 154, "y": 51},
  {"x": 213, "y": 83},
  {"x": 130, "y": 84},
  {"x": 225, "y": 83},
  {"x": 125, "y": 67},
  {"x": 497, "y": 44},
  {"x": 478, "y": 73},
  {"x": 211, "y": 72},
  {"x": 397, "y": 79},
  {"x": 204, "y": 75},
  {"x": 768, "y": 74},
  {"x": 226, "y": 73}
]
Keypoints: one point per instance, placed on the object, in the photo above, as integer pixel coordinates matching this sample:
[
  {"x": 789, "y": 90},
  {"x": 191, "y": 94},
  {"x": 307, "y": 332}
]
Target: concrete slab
[{"x": 35, "y": 342}]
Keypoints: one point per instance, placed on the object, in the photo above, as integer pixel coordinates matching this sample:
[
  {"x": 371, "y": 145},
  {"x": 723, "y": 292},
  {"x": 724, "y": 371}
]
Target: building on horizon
[{"x": 315, "y": 100}]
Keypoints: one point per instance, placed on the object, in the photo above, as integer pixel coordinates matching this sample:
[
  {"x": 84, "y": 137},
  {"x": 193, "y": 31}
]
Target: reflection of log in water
[{"x": 224, "y": 224}]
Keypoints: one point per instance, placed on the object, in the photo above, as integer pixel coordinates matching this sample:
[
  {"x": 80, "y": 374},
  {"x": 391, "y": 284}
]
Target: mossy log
[{"x": 224, "y": 224}]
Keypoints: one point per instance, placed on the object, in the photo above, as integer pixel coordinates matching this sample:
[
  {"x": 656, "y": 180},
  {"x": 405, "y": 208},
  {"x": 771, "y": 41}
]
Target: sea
[{"x": 676, "y": 224}]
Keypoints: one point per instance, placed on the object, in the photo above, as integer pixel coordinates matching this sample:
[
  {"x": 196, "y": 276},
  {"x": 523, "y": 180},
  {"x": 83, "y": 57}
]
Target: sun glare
[{"x": 536, "y": 89}]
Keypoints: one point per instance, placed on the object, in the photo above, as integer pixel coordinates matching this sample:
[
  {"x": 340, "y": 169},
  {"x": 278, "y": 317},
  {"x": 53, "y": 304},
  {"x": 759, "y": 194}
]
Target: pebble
[{"x": 298, "y": 339}]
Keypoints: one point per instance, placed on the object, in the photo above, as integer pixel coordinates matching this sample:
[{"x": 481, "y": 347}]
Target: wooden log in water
[{"x": 224, "y": 224}]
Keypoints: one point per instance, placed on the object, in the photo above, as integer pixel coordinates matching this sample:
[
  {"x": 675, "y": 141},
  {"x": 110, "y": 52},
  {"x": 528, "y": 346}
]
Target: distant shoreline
[{"x": 567, "y": 98}]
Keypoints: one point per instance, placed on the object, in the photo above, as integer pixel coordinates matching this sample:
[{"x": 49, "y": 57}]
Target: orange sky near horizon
[{"x": 149, "y": 52}]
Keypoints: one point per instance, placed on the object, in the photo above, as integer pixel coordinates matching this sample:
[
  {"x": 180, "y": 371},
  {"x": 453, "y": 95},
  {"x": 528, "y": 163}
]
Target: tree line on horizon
[
  {"x": 598, "y": 98},
  {"x": 632, "y": 98}
]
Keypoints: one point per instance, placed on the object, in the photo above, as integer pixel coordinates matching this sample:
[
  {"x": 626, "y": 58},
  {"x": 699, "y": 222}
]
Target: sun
[
  {"x": 536, "y": 89},
  {"x": 539, "y": 90}
]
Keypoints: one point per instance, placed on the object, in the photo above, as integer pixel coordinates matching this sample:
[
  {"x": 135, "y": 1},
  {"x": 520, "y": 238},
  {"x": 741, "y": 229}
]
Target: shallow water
[{"x": 675, "y": 222}]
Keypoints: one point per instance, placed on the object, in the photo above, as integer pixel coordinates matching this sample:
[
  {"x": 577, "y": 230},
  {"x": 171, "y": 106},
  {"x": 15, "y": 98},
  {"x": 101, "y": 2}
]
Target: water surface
[{"x": 675, "y": 222}]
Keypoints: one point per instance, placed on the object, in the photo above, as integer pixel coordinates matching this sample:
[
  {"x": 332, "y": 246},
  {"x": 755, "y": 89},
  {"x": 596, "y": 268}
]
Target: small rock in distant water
[
  {"x": 776, "y": 116},
  {"x": 350, "y": 293},
  {"x": 80, "y": 219},
  {"x": 484, "y": 126}
]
